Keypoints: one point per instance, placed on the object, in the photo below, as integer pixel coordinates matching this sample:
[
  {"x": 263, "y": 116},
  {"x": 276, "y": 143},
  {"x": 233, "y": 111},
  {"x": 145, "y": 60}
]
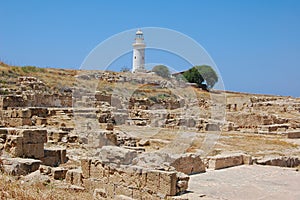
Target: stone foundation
[{"x": 131, "y": 181}]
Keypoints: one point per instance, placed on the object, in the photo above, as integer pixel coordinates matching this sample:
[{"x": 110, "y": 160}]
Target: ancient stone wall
[{"x": 131, "y": 181}]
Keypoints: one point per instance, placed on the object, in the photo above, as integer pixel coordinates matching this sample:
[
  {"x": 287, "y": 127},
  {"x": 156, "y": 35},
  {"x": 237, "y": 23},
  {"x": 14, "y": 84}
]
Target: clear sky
[{"x": 255, "y": 44}]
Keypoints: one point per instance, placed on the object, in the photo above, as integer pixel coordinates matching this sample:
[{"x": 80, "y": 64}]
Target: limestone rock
[
  {"x": 116, "y": 155},
  {"x": 224, "y": 161},
  {"x": 20, "y": 166},
  {"x": 281, "y": 161}
]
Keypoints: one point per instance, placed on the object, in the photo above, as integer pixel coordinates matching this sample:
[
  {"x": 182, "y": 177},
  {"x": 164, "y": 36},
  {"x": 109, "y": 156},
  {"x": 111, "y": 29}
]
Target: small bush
[{"x": 32, "y": 69}]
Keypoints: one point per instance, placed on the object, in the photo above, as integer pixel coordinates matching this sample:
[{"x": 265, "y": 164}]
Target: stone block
[
  {"x": 59, "y": 173},
  {"x": 40, "y": 112},
  {"x": 54, "y": 156},
  {"x": 33, "y": 150},
  {"x": 188, "y": 164},
  {"x": 86, "y": 167},
  {"x": 133, "y": 177},
  {"x": 33, "y": 136},
  {"x": 3, "y": 131},
  {"x": 16, "y": 122},
  {"x": 167, "y": 183},
  {"x": 152, "y": 183},
  {"x": 117, "y": 155},
  {"x": 247, "y": 159},
  {"x": 294, "y": 134},
  {"x": 74, "y": 177},
  {"x": 224, "y": 161},
  {"x": 20, "y": 166},
  {"x": 23, "y": 113}
]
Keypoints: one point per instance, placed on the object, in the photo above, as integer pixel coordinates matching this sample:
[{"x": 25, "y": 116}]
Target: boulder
[
  {"x": 20, "y": 166},
  {"x": 116, "y": 155}
]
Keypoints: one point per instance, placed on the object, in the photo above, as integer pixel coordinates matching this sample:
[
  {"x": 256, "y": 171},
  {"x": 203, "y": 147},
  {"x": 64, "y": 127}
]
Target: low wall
[{"x": 131, "y": 181}]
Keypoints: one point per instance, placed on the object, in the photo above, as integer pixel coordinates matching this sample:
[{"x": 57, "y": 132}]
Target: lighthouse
[{"x": 138, "y": 58}]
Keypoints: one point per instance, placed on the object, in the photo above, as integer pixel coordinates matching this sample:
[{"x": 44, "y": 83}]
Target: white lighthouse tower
[{"x": 138, "y": 59}]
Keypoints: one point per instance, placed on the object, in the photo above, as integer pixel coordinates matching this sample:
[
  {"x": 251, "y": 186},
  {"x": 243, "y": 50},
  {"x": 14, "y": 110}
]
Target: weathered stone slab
[
  {"x": 20, "y": 166},
  {"x": 117, "y": 155},
  {"x": 281, "y": 161},
  {"x": 224, "y": 161},
  {"x": 294, "y": 134},
  {"x": 188, "y": 164}
]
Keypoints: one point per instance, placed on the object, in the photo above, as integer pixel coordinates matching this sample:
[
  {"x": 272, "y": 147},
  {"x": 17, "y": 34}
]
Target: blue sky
[{"x": 255, "y": 44}]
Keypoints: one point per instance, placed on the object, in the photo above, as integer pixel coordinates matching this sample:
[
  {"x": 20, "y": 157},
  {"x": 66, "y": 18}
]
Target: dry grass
[
  {"x": 14, "y": 189},
  {"x": 254, "y": 143},
  {"x": 54, "y": 78}
]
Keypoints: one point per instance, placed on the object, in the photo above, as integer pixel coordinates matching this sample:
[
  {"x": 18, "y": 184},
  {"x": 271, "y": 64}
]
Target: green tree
[
  {"x": 201, "y": 74},
  {"x": 193, "y": 76},
  {"x": 162, "y": 71},
  {"x": 208, "y": 74}
]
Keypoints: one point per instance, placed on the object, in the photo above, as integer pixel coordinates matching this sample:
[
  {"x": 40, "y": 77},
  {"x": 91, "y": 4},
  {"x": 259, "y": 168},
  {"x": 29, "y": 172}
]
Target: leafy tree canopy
[
  {"x": 162, "y": 71},
  {"x": 199, "y": 74}
]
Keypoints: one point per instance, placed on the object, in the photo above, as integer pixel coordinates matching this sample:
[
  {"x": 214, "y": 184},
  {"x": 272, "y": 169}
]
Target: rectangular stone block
[
  {"x": 33, "y": 136},
  {"x": 152, "y": 183},
  {"x": 224, "y": 161},
  {"x": 86, "y": 167},
  {"x": 20, "y": 166},
  {"x": 54, "y": 156},
  {"x": 59, "y": 173},
  {"x": 247, "y": 159},
  {"x": 6, "y": 113},
  {"x": 33, "y": 150},
  {"x": 74, "y": 177},
  {"x": 40, "y": 112},
  {"x": 3, "y": 131},
  {"x": 16, "y": 122},
  {"x": 167, "y": 183},
  {"x": 294, "y": 134},
  {"x": 24, "y": 113},
  {"x": 135, "y": 180}
]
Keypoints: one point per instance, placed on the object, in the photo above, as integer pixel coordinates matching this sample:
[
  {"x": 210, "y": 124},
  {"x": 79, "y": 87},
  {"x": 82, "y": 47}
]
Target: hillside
[{"x": 107, "y": 134}]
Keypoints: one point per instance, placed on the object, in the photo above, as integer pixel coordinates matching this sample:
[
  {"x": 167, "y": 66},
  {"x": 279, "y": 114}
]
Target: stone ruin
[{"x": 39, "y": 133}]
